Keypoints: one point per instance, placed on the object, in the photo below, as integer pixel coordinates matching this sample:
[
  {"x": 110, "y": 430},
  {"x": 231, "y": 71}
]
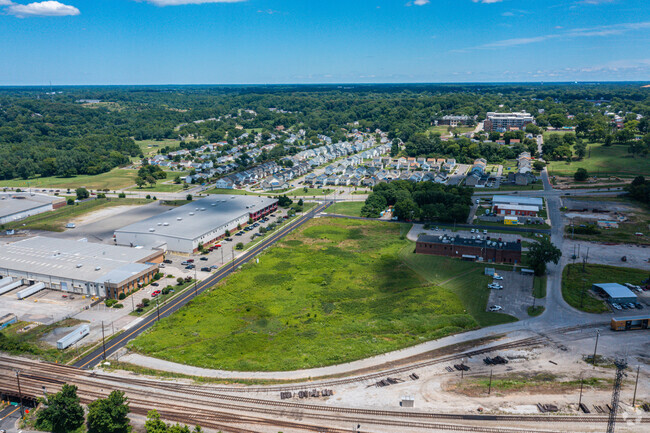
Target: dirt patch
[{"x": 101, "y": 214}]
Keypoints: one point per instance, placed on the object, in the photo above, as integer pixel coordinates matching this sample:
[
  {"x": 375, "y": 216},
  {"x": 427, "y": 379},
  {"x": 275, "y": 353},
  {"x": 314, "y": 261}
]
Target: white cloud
[
  {"x": 609, "y": 30},
  {"x": 420, "y": 2},
  {"x": 189, "y": 2},
  {"x": 487, "y": 1},
  {"x": 6, "y": 2},
  {"x": 41, "y": 9}
]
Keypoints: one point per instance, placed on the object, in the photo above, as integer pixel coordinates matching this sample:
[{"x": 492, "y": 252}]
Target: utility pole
[
  {"x": 103, "y": 341},
  {"x": 158, "y": 307},
  {"x": 595, "y": 347},
  {"x": 636, "y": 384},
  {"x": 580, "y": 399},
  {"x": 490, "y": 385},
  {"x": 132, "y": 303},
  {"x": 20, "y": 395},
  {"x": 233, "y": 259},
  {"x": 196, "y": 282},
  {"x": 621, "y": 365}
]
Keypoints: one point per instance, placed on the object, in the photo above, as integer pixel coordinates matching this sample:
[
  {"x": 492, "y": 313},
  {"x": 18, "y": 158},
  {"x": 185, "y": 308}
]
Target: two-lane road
[{"x": 179, "y": 301}]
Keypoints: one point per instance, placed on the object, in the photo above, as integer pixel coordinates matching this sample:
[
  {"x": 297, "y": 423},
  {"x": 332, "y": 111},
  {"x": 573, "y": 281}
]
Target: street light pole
[
  {"x": 636, "y": 384},
  {"x": 103, "y": 341},
  {"x": 20, "y": 395},
  {"x": 580, "y": 399},
  {"x": 158, "y": 307}
]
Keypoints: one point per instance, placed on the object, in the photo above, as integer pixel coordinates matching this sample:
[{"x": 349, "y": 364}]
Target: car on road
[
  {"x": 495, "y": 286},
  {"x": 495, "y": 308},
  {"x": 205, "y": 259},
  {"x": 155, "y": 293},
  {"x": 497, "y": 277}
]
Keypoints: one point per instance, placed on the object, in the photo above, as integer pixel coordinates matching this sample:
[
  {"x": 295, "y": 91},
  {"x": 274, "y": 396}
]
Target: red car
[
  {"x": 155, "y": 293},
  {"x": 190, "y": 260}
]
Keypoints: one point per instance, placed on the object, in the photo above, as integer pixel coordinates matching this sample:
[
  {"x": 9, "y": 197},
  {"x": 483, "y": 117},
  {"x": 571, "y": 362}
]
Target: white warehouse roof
[
  {"x": 195, "y": 219},
  {"x": 524, "y": 201}
]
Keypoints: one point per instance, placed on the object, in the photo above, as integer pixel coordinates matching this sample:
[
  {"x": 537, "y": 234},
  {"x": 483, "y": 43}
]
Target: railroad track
[{"x": 203, "y": 398}]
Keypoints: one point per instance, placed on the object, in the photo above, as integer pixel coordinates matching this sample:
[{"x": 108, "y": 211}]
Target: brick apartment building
[{"x": 470, "y": 249}]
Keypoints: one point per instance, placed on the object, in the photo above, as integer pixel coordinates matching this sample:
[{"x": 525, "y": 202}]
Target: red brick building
[
  {"x": 470, "y": 249},
  {"x": 515, "y": 210}
]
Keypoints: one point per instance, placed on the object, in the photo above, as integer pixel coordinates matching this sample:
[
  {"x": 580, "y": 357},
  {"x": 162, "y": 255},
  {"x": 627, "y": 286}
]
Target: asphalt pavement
[
  {"x": 179, "y": 301},
  {"x": 8, "y": 418}
]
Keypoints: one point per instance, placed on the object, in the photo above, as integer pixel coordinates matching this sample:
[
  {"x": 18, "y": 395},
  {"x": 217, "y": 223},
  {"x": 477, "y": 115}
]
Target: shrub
[
  {"x": 110, "y": 302},
  {"x": 146, "y": 302},
  {"x": 121, "y": 195},
  {"x": 118, "y": 306},
  {"x": 70, "y": 201},
  {"x": 121, "y": 297},
  {"x": 180, "y": 280},
  {"x": 154, "y": 198},
  {"x": 148, "y": 197},
  {"x": 158, "y": 276},
  {"x": 581, "y": 175},
  {"x": 239, "y": 246},
  {"x": 189, "y": 197}
]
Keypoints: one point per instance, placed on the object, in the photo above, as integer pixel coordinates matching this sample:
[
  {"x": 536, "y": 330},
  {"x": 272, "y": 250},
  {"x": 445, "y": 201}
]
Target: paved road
[
  {"x": 8, "y": 418},
  {"x": 178, "y": 302}
]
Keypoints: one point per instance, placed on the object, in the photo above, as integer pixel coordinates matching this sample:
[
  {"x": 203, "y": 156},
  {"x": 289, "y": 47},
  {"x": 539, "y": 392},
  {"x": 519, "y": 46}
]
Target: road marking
[
  {"x": 17, "y": 408},
  {"x": 224, "y": 270}
]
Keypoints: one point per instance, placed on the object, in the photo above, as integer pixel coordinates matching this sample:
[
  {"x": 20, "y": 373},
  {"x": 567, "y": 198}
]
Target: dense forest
[{"x": 88, "y": 130}]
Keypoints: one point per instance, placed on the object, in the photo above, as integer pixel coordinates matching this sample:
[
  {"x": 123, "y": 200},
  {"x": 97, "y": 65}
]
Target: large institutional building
[
  {"x": 502, "y": 122},
  {"x": 470, "y": 249},
  {"x": 78, "y": 266},
  {"x": 183, "y": 229},
  {"x": 16, "y": 206}
]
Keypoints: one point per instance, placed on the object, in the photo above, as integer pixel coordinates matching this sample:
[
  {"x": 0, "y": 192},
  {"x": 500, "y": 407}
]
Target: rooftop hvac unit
[
  {"x": 79, "y": 265},
  {"x": 97, "y": 268},
  {"x": 213, "y": 204},
  {"x": 159, "y": 224},
  {"x": 191, "y": 213},
  {"x": 151, "y": 230},
  {"x": 202, "y": 209},
  {"x": 165, "y": 224},
  {"x": 179, "y": 219}
]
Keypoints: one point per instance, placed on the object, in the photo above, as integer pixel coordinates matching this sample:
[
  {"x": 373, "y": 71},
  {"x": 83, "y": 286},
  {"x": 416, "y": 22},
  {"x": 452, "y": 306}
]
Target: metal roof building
[
  {"x": 182, "y": 229},
  {"x": 518, "y": 201},
  {"x": 616, "y": 293},
  {"x": 20, "y": 205},
  {"x": 78, "y": 266}
]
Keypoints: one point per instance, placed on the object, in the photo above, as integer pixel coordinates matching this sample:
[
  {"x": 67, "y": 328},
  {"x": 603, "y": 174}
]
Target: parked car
[
  {"x": 162, "y": 265},
  {"x": 638, "y": 306},
  {"x": 185, "y": 263},
  {"x": 205, "y": 259},
  {"x": 228, "y": 239},
  {"x": 155, "y": 293},
  {"x": 495, "y": 308},
  {"x": 190, "y": 267},
  {"x": 497, "y": 277},
  {"x": 484, "y": 232},
  {"x": 155, "y": 284},
  {"x": 205, "y": 269},
  {"x": 190, "y": 260},
  {"x": 495, "y": 286},
  {"x": 169, "y": 262}
]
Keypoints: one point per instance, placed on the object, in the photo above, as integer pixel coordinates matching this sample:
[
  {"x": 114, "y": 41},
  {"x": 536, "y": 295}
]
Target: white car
[
  {"x": 497, "y": 277},
  {"x": 495, "y": 308},
  {"x": 495, "y": 286}
]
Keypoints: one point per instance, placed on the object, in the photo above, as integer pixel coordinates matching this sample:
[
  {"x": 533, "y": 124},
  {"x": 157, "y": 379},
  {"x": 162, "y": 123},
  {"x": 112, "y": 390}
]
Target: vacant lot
[
  {"x": 573, "y": 284},
  {"x": 604, "y": 161},
  {"x": 117, "y": 178},
  {"x": 151, "y": 147},
  {"x": 334, "y": 291},
  {"x": 352, "y": 208},
  {"x": 55, "y": 221}
]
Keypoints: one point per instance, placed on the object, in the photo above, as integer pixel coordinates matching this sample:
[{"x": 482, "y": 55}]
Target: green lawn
[
  {"x": 350, "y": 208},
  {"x": 539, "y": 287},
  {"x": 443, "y": 129},
  {"x": 333, "y": 291},
  {"x": 150, "y": 147},
  {"x": 535, "y": 311},
  {"x": 55, "y": 221},
  {"x": 572, "y": 283},
  {"x": 117, "y": 178},
  {"x": 535, "y": 186},
  {"x": 229, "y": 191},
  {"x": 604, "y": 161},
  {"x": 310, "y": 192},
  {"x": 159, "y": 187}
]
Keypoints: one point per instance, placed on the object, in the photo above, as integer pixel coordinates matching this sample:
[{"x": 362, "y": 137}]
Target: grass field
[
  {"x": 333, "y": 291},
  {"x": 443, "y": 129},
  {"x": 55, "y": 221},
  {"x": 572, "y": 283},
  {"x": 229, "y": 191},
  {"x": 535, "y": 186},
  {"x": 310, "y": 192},
  {"x": 117, "y": 178},
  {"x": 613, "y": 160},
  {"x": 150, "y": 147},
  {"x": 350, "y": 208},
  {"x": 159, "y": 187}
]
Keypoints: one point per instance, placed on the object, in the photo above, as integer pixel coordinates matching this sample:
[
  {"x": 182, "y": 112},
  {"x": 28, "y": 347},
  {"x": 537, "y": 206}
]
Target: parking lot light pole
[
  {"x": 158, "y": 307},
  {"x": 596, "y": 347}
]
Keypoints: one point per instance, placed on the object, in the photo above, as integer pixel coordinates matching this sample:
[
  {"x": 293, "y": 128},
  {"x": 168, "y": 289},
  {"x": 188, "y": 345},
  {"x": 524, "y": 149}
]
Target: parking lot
[
  {"x": 516, "y": 295},
  {"x": 46, "y": 306}
]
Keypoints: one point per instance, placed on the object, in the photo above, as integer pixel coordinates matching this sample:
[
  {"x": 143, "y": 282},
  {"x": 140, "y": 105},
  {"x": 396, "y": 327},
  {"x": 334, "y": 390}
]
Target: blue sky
[{"x": 322, "y": 41}]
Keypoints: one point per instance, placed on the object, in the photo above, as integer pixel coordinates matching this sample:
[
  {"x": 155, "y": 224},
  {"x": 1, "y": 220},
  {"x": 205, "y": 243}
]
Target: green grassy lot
[
  {"x": 625, "y": 233},
  {"x": 523, "y": 226},
  {"x": 333, "y": 291},
  {"x": 117, "y": 178},
  {"x": 539, "y": 287},
  {"x": 159, "y": 187},
  {"x": 572, "y": 283},
  {"x": 542, "y": 383},
  {"x": 536, "y": 311},
  {"x": 55, "y": 221},
  {"x": 613, "y": 160},
  {"x": 443, "y": 129},
  {"x": 150, "y": 147},
  {"x": 29, "y": 343},
  {"x": 350, "y": 208},
  {"x": 310, "y": 192},
  {"x": 532, "y": 187},
  {"x": 229, "y": 191}
]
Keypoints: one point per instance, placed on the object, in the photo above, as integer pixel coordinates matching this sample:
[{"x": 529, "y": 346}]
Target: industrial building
[
  {"x": 16, "y": 206},
  {"x": 184, "y": 228},
  {"x": 615, "y": 293},
  {"x": 502, "y": 122},
  {"x": 515, "y": 210},
  {"x": 470, "y": 249},
  {"x": 517, "y": 201},
  {"x": 77, "y": 266}
]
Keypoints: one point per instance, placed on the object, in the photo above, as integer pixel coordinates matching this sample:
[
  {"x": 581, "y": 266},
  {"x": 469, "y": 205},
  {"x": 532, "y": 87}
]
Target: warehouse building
[
  {"x": 78, "y": 267},
  {"x": 20, "y": 205},
  {"x": 501, "y": 200},
  {"x": 184, "y": 228},
  {"x": 516, "y": 210},
  {"x": 470, "y": 249},
  {"x": 615, "y": 293}
]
